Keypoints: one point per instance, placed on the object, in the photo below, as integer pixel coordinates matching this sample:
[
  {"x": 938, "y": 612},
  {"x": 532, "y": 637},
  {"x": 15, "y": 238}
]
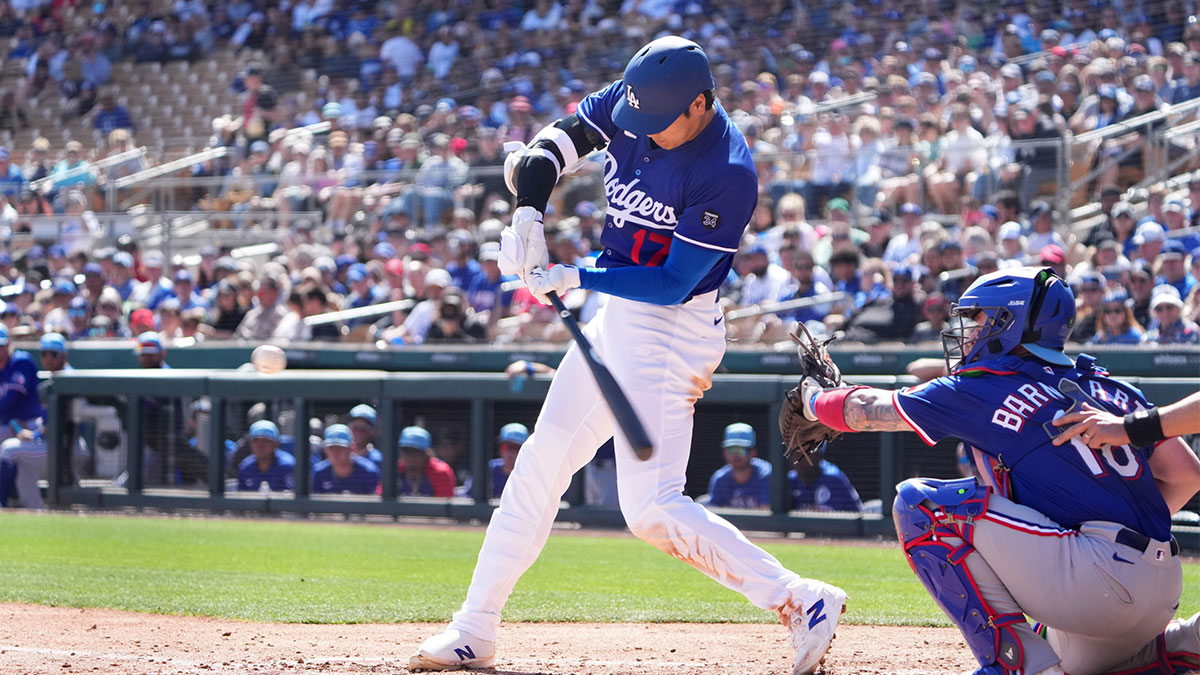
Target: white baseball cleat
[
  {"x": 813, "y": 625},
  {"x": 453, "y": 650}
]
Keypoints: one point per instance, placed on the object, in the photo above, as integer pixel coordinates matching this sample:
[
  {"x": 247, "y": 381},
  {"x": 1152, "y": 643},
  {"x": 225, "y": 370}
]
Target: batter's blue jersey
[
  {"x": 19, "y": 389},
  {"x": 1005, "y": 408},
  {"x": 702, "y": 192}
]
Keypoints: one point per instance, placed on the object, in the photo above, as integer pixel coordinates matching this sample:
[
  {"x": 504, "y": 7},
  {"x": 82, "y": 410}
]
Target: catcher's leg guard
[{"x": 929, "y": 512}]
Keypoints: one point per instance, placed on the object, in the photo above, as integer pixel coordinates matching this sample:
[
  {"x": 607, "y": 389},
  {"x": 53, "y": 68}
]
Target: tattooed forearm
[{"x": 872, "y": 410}]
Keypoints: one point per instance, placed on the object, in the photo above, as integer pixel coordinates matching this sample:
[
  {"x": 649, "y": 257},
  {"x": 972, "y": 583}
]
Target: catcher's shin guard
[{"x": 926, "y": 512}]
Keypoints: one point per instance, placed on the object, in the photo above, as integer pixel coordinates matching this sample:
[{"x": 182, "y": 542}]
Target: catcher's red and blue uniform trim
[{"x": 909, "y": 420}]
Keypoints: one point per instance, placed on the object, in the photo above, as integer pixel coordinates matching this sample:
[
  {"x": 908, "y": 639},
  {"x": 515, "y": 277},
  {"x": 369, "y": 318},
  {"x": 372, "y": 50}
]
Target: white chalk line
[{"x": 315, "y": 662}]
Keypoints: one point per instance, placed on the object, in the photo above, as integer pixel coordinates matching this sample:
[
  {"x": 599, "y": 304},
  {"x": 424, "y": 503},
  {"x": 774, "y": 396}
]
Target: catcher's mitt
[{"x": 803, "y": 436}]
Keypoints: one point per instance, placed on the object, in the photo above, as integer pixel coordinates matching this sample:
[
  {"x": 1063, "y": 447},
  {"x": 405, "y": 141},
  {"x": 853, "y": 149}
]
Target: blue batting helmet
[
  {"x": 660, "y": 82},
  {"x": 1024, "y": 306}
]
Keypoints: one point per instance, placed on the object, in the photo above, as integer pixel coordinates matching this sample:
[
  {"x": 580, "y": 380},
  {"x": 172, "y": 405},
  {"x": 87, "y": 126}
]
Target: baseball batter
[
  {"x": 681, "y": 188},
  {"x": 1076, "y": 538}
]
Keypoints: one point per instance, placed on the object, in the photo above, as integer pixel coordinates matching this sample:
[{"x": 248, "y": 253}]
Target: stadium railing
[{"x": 144, "y": 433}]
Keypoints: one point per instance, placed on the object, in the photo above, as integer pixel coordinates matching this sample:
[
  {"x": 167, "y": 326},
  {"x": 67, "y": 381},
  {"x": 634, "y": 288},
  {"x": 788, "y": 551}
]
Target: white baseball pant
[
  {"x": 30, "y": 458},
  {"x": 663, "y": 358}
]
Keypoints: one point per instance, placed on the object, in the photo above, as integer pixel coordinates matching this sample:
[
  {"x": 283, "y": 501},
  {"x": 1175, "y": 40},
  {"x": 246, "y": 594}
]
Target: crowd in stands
[{"x": 902, "y": 149}]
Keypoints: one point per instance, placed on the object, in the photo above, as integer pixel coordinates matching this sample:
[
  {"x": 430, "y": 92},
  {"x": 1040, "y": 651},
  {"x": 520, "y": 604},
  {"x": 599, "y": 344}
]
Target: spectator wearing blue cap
[
  {"x": 891, "y": 316},
  {"x": 80, "y": 315},
  {"x": 22, "y": 452},
  {"x": 183, "y": 289},
  {"x": 512, "y": 437},
  {"x": 745, "y": 480},
  {"x": 762, "y": 280},
  {"x": 363, "y": 292},
  {"x": 56, "y": 259},
  {"x": 342, "y": 471},
  {"x": 418, "y": 472},
  {"x": 1116, "y": 324},
  {"x": 363, "y": 427},
  {"x": 58, "y": 317},
  {"x": 120, "y": 276},
  {"x": 10, "y": 315},
  {"x": 1171, "y": 268},
  {"x": 267, "y": 464}
]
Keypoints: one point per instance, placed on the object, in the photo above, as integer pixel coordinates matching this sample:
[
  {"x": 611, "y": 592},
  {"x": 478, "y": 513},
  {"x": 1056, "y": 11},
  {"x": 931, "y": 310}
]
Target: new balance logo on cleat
[
  {"x": 817, "y": 613},
  {"x": 464, "y": 652}
]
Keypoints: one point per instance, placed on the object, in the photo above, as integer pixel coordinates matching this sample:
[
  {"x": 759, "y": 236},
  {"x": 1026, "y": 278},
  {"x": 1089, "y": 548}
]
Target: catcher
[{"x": 1078, "y": 539}]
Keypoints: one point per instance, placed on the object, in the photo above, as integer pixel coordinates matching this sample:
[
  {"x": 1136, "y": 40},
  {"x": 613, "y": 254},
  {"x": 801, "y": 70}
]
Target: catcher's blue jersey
[
  {"x": 1005, "y": 408},
  {"x": 702, "y": 192},
  {"x": 19, "y": 389}
]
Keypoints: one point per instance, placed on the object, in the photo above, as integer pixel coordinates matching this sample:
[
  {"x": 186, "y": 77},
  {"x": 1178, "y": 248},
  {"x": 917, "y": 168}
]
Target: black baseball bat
[{"x": 618, "y": 402}]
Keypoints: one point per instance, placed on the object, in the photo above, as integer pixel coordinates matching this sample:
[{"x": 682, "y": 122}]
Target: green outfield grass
[{"x": 344, "y": 573}]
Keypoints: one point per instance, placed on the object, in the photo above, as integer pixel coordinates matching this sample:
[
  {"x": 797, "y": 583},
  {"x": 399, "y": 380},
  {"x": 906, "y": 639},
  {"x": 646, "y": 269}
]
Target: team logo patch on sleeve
[{"x": 711, "y": 220}]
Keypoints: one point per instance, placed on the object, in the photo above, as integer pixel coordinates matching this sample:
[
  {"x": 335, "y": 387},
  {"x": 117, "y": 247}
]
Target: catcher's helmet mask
[{"x": 1025, "y": 307}]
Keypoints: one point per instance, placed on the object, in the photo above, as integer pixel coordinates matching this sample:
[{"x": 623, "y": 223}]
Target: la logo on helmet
[{"x": 631, "y": 99}]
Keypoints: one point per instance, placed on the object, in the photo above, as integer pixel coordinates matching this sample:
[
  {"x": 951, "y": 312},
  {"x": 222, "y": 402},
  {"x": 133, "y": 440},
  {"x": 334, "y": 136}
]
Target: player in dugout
[
  {"x": 267, "y": 464},
  {"x": 1078, "y": 540}
]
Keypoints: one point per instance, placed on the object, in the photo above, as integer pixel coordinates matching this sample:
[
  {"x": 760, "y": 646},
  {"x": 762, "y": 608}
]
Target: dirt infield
[{"x": 40, "y": 640}]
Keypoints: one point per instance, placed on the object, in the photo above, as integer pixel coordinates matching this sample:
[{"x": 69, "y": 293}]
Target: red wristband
[{"x": 830, "y": 407}]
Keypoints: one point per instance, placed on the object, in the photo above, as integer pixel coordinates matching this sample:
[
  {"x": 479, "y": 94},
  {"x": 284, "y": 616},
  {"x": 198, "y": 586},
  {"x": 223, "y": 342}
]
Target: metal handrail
[
  {"x": 1129, "y": 125},
  {"x": 171, "y": 167},
  {"x": 87, "y": 167}
]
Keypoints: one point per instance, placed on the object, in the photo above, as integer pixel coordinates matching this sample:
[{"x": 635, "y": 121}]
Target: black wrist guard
[{"x": 1144, "y": 427}]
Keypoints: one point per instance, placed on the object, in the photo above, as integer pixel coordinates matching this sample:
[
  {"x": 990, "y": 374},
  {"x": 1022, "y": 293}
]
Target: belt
[{"x": 1136, "y": 540}]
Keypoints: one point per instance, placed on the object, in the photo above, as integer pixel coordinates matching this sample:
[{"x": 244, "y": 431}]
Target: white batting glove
[
  {"x": 523, "y": 244},
  {"x": 809, "y": 389},
  {"x": 559, "y": 279}
]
